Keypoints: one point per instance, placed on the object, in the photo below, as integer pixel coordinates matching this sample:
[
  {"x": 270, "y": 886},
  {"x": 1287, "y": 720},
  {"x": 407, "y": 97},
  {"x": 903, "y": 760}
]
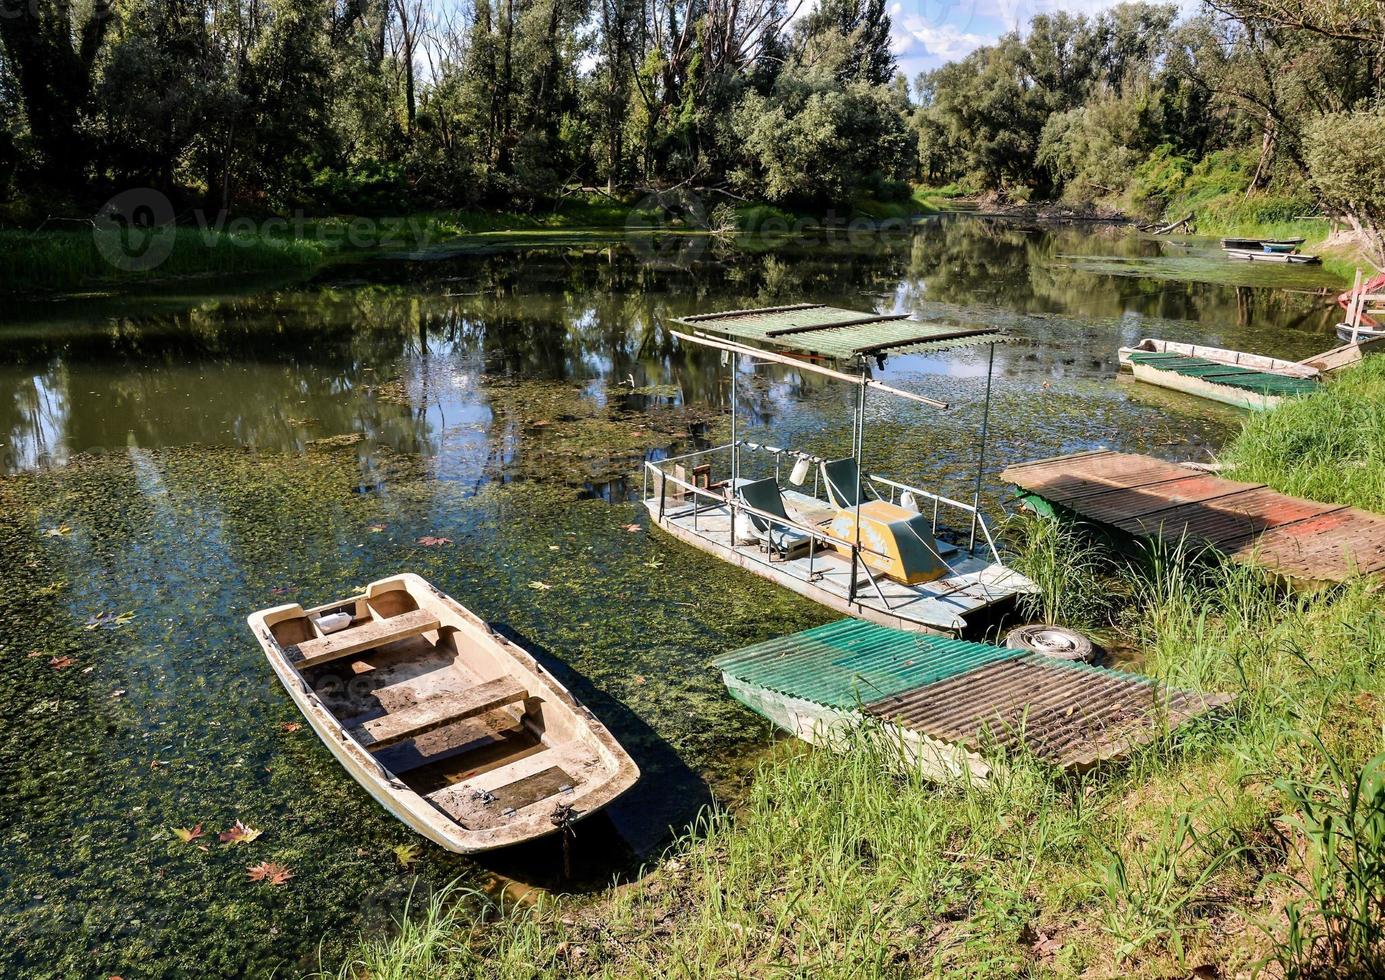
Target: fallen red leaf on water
[
  {"x": 290, "y": 726},
  {"x": 376, "y": 528},
  {"x": 238, "y": 833},
  {"x": 428, "y": 541},
  {"x": 58, "y": 663},
  {"x": 632, "y": 528},
  {"x": 185, "y": 835},
  {"x": 270, "y": 871}
]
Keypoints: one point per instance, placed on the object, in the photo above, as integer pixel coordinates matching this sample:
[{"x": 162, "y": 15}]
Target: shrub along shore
[{"x": 1257, "y": 838}]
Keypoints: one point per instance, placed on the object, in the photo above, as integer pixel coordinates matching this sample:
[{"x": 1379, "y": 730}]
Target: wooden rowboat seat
[
  {"x": 358, "y": 639},
  {"x": 442, "y": 709}
]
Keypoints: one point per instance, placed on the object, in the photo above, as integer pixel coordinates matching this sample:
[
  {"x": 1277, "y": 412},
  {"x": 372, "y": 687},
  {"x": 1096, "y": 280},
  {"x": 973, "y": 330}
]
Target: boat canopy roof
[{"x": 830, "y": 331}]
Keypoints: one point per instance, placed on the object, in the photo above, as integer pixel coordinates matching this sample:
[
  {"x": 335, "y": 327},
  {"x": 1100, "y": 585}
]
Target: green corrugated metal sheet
[
  {"x": 836, "y": 342},
  {"x": 851, "y": 662},
  {"x": 1231, "y": 375}
]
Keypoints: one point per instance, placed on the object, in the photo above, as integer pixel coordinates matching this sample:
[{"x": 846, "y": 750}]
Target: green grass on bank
[
  {"x": 1254, "y": 839},
  {"x": 1328, "y": 446},
  {"x": 67, "y": 260}
]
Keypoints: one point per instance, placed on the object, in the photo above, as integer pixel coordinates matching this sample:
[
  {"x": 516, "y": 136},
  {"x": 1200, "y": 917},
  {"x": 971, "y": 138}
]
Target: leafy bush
[
  {"x": 817, "y": 142},
  {"x": 1158, "y": 180}
]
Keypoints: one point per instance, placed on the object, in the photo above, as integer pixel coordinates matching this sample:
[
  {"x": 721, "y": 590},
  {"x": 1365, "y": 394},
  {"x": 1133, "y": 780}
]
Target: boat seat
[
  {"x": 842, "y": 478},
  {"x": 435, "y": 712},
  {"x": 358, "y": 639},
  {"x": 784, "y": 540}
]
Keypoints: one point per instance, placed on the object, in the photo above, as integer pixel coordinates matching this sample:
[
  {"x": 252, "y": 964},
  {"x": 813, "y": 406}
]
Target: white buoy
[
  {"x": 799, "y": 474},
  {"x": 909, "y": 503}
]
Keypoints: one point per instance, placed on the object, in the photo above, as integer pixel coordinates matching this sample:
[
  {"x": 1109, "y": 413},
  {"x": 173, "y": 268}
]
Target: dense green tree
[
  {"x": 376, "y": 104},
  {"x": 865, "y": 25},
  {"x": 53, "y": 52},
  {"x": 1345, "y": 155}
]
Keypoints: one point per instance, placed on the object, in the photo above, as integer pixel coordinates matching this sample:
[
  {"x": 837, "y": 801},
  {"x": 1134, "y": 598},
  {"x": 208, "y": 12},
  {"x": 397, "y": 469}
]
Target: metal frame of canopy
[{"x": 816, "y": 330}]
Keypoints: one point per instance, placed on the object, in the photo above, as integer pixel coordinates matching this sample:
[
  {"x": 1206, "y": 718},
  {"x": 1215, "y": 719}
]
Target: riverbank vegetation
[
  {"x": 1256, "y": 838},
  {"x": 1249, "y": 115},
  {"x": 1246, "y": 117}
]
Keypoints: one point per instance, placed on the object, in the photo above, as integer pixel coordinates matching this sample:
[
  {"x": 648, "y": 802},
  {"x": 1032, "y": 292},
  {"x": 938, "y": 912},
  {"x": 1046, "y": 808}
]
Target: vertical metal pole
[
  {"x": 735, "y": 452},
  {"x": 981, "y": 460},
  {"x": 858, "y": 437},
  {"x": 735, "y": 446}
]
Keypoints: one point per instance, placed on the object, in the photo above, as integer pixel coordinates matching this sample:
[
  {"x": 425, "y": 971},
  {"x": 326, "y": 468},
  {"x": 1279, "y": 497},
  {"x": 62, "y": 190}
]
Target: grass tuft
[{"x": 1328, "y": 446}]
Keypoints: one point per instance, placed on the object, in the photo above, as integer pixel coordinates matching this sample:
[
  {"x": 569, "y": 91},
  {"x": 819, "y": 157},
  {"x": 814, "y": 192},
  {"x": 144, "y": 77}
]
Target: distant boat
[
  {"x": 1251, "y": 381},
  {"x": 1260, "y": 254},
  {"x": 452, "y": 728},
  {"x": 1259, "y": 244}
]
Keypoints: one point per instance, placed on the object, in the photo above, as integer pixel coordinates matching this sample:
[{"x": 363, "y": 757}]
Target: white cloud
[{"x": 915, "y": 37}]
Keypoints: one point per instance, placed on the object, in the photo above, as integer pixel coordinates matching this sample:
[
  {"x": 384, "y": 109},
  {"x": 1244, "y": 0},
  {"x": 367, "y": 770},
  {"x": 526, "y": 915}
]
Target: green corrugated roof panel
[
  {"x": 851, "y": 662},
  {"x": 768, "y": 325}
]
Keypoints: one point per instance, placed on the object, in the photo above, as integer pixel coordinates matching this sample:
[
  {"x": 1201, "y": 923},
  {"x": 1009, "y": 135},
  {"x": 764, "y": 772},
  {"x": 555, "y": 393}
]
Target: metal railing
[
  {"x": 871, "y": 482},
  {"x": 706, "y": 499}
]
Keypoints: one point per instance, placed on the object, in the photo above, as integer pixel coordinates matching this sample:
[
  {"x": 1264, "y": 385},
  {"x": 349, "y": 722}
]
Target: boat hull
[
  {"x": 1201, "y": 388},
  {"x": 391, "y": 791},
  {"x": 1290, "y": 258},
  {"x": 1363, "y": 334},
  {"x": 950, "y": 618}
]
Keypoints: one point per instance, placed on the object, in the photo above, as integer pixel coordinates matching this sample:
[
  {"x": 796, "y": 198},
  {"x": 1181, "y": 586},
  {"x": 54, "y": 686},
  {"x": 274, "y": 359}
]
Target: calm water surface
[{"x": 190, "y": 455}]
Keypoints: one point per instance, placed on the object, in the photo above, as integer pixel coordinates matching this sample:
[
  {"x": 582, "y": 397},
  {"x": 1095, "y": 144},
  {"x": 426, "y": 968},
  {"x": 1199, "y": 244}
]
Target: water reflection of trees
[{"x": 281, "y": 367}]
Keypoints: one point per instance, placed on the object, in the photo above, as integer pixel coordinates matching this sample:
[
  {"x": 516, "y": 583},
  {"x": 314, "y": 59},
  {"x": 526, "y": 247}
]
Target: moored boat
[
  {"x": 453, "y": 728},
  {"x": 1273, "y": 244},
  {"x": 1263, "y": 254},
  {"x": 1252, "y": 381},
  {"x": 894, "y": 553}
]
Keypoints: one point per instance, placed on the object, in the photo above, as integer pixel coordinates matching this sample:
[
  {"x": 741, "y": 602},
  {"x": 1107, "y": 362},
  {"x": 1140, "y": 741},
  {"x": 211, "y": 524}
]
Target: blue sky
[{"x": 929, "y": 33}]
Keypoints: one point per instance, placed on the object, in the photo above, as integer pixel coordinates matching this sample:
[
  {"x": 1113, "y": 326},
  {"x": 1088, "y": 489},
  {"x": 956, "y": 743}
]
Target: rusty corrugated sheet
[
  {"x": 1067, "y": 714},
  {"x": 1299, "y": 539}
]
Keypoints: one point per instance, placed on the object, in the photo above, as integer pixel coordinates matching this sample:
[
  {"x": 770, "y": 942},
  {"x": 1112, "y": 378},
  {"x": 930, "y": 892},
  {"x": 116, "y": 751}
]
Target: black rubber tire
[{"x": 1057, "y": 642}]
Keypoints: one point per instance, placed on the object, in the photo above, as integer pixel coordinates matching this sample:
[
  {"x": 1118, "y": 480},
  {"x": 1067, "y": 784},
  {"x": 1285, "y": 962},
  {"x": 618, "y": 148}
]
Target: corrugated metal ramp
[{"x": 967, "y": 695}]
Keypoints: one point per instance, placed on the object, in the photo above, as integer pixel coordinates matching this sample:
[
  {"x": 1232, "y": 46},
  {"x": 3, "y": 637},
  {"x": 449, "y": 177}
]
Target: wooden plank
[
  {"x": 1227, "y": 521},
  {"x": 531, "y": 789},
  {"x": 358, "y": 639},
  {"x": 435, "y": 712}
]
